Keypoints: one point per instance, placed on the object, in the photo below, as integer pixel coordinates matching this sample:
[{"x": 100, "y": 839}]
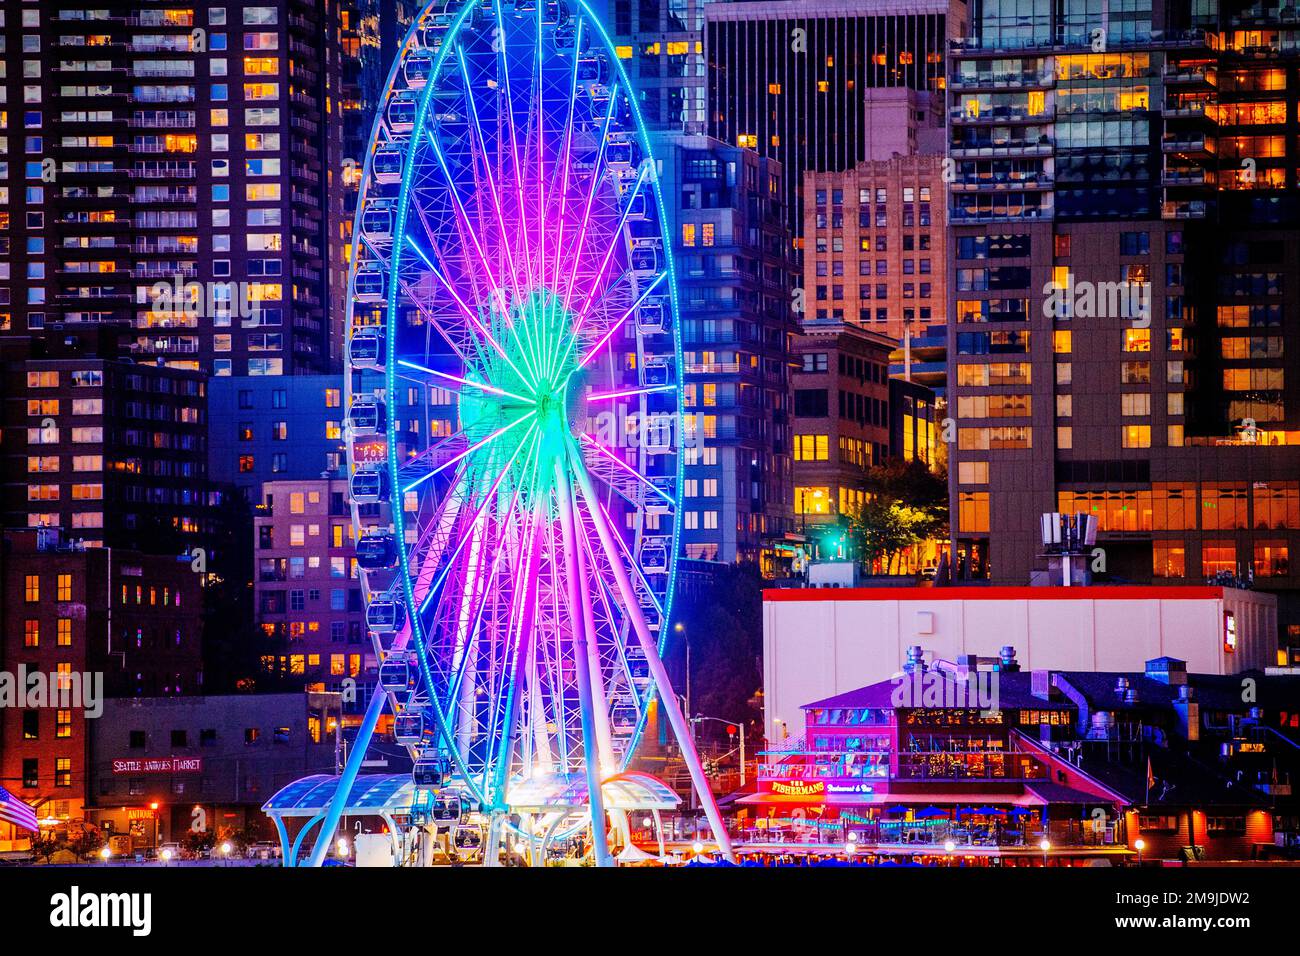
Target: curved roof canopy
[{"x": 371, "y": 794}]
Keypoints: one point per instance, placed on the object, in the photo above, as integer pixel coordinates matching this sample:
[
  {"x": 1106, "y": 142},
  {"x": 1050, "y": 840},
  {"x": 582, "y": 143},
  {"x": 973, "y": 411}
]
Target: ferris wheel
[{"x": 515, "y": 429}]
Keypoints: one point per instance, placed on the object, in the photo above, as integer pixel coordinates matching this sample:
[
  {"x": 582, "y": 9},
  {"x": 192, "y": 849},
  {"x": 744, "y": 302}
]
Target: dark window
[
  {"x": 180, "y": 738},
  {"x": 810, "y": 402},
  {"x": 137, "y": 740}
]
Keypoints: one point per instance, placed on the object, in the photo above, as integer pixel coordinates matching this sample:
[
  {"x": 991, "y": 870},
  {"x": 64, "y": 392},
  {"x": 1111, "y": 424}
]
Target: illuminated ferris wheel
[{"x": 515, "y": 432}]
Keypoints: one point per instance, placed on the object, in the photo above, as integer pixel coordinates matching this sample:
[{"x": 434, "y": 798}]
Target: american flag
[{"x": 13, "y": 810}]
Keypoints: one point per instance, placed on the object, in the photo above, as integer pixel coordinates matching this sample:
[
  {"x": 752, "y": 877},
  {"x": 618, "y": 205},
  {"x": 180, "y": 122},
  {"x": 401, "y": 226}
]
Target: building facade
[
  {"x": 734, "y": 277},
  {"x": 1122, "y": 241},
  {"x": 988, "y": 765},
  {"x": 874, "y": 249},
  {"x": 274, "y": 429},
  {"x": 309, "y": 612},
  {"x": 162, "y": 768},
  {"x": 177, "y": 170},
  {"x": 823, "y": 641},
  {"x": 87, "y": 624},
  {"x": 791, "y": 80},
  {"x": 111, "y": 451},
  {"x": 842, "y": 416}
]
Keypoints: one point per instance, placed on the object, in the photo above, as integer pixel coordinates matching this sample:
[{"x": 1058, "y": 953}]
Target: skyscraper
[
  {"x": 791, "y": 79},
  {"x": 734, "y": 272},
  {"x": 1123, "y": 238}
]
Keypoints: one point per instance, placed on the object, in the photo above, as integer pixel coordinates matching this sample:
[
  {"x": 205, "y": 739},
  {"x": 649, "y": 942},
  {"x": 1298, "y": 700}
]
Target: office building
[
  {"x": 793, "y": 80},
  {"x": 874, "y": 250},
  {"x": 842, "y": 416},
  {"x": 1122, "y": 245},
  {"x": 111, "y": 451}
]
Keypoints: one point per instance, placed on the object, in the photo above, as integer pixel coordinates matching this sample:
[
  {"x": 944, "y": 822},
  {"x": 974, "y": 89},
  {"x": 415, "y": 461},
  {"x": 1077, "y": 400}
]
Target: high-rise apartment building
[
  {"x": 177, "y": 169},
  {"x": 1123, "y": 247},
  {"x": 734, "y": 274}
]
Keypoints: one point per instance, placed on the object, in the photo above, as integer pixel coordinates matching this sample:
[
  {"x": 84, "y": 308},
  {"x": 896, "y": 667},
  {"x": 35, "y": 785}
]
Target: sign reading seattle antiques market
[{"x": 159, "y": 765}]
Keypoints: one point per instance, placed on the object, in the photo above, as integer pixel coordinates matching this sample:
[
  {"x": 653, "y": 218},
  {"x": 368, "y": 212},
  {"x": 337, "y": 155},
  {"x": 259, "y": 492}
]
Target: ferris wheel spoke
[
  {"x": 464, "y": 227},
  {"x": 618, "y": 323},
  {"x": 489, "y": 499},
  {"x": 469, "y": 451},
  {"x": 506, "y": 240},
  {"x": 597, "y": 177},
  {"x": 464, "y": 382},
  {"x": 514, "y": 144},
  {"x": 485, "y": 335},
  {"x": 568, "y": 151}
]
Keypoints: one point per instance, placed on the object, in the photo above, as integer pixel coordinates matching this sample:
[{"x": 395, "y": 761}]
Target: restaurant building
[
  {"x": 970, "y": 766},
  {"x": 823, "y": 641}
]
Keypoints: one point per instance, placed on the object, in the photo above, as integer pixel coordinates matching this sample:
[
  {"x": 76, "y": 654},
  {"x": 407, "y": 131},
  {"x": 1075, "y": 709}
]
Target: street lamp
[
  {"x": 225, "y": 850},
  {"x": 697, "y": 848},
  {"x": 105, "y": 853},
  {"x": 949, "y": 846},
  {"x": 850, "y": 848},
  {"x": 342, "y": 848},
  {"x": 1139, "y": 844},
  {"x": 1045, "y": 845},
  {"x": 166, "y": 855}
]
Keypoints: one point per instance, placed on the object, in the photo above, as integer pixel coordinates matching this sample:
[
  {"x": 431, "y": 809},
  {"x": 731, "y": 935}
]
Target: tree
[
  {"x": 906, "y": 504},
  {"x": 84, "y": 839}
]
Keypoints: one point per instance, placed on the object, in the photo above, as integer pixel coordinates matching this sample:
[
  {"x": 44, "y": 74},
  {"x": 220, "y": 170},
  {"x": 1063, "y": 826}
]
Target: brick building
[{"x": 70, "y": 612}]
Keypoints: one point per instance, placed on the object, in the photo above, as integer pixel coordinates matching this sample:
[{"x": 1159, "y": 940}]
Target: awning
[
  {"x": 632, "y": 790},
  {"x": 370, "y": 794},
  {"x": 962, "y": 798}
]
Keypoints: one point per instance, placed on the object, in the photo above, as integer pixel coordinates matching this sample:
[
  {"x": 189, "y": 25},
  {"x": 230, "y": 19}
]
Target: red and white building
[{"x": 818, "y": 642}]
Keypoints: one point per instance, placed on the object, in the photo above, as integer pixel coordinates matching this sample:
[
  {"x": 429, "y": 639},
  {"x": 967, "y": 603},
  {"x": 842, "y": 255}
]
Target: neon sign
[{"x": 799, "y": 788}]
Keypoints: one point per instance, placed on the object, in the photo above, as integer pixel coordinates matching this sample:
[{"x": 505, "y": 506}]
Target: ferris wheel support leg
[
  {"x": 657, "y": 671},
  {"x": 590, "y": 747},
  {"x": 341, "y": 793},
  {"x": 604, "y": 735}
]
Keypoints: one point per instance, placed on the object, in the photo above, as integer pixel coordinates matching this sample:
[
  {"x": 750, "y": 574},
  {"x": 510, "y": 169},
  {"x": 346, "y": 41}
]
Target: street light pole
[{"x": 742, "y": 753}]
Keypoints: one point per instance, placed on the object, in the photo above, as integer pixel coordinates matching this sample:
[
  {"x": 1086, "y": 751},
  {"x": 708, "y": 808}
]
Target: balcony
[
  {"x": 1003, "y": 183},
  {"x": 998, "y": 115},
  {"x": 1189, "y": 144},
  {"x": 1198, "y": 74},
  {"x": 1025, "y": 80},
  {"x": 1042, "y": 146},
  {"x": 1184, "y": 209},
  {"x": 1187, "y": 177}
]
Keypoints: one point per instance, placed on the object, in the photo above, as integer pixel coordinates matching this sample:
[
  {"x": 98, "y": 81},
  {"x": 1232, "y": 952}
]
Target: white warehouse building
[{"x": 818, "y": 642}]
